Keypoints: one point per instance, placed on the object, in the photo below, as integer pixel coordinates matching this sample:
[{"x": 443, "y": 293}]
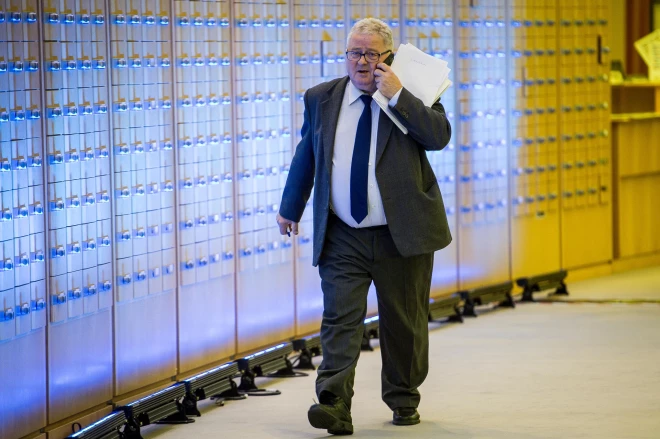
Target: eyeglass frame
[{"x": 365, "y": 55}]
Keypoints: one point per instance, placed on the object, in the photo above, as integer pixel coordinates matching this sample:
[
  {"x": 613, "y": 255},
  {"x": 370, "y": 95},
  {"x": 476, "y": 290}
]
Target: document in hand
[{"x": 423, "y": 75}]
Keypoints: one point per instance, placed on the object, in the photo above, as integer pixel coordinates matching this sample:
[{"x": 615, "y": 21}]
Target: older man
[{"x": 378, "y": 217}]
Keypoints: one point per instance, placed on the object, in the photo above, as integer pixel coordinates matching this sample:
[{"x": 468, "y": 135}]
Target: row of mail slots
[
  {"x": 22, "y": 253},
  {"x": 24, "y": 162},
  {"x": 538, "y": 200},
  {"x": 135, "y": 19},
  {"x": 133, "y": 224},
  {"x": 203, "y": 255},
  {"x": 588, "y": 193},
  {"x": 518, "y": 53},
  {"x": 88, "y": 196},
  {"x": 590, "y": 164},
  {"x": 80, "y": 293},
  {"x": 518, "y": 112},
  {"x": 22, "y": 261},
  {"x": 481, "y": 145},
  {"x": 69, "y": 27},
  {"x": 19, "y": 163},
  {"x": 17, "y": 207},
  {"x": 515, "y": 53},
  {"x": 579, "y": 22},
  {"x": 209, "y": 20},
  {"x": 198, "y": 142},
  {"x": 243, "y": 136},
  {"x": 79, "y": 247},
  {"x": 183, "y": 60},
  {"x": 204, "y": 260},
  {"x": 19, "y": 26},
  {"x": 520, "y": 82},
  {"x": 69, "y": 63},
  {"x": 328, "y": 22},
  {"x": 21, "y": 213},
  {"x": 527, "y": 141},
  {"x": 29, "y": 311},
  {"x": 86, "y": 246},
  {"x": 12, "y": 82}
]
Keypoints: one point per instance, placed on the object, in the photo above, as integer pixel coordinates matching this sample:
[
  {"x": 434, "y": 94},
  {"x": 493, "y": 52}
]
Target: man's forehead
[{"x": 372, "y": 41}]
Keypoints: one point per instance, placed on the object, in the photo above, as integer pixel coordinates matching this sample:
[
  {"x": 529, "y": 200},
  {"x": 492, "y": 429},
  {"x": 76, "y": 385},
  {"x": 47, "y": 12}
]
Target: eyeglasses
[{"x": 353, "y": 55}]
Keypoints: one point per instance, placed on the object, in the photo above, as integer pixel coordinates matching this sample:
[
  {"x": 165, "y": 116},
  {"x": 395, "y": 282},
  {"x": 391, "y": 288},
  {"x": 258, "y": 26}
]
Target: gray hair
[{"x": 372, "y": 26}]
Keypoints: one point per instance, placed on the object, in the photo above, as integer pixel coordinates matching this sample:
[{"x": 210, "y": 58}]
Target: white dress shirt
[{"x": 342, "y": 157}]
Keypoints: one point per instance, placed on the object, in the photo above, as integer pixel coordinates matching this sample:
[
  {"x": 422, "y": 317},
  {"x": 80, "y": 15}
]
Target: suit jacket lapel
[
  {"x": 385, "y": 125},
  {"x": 329, "y": 118}
]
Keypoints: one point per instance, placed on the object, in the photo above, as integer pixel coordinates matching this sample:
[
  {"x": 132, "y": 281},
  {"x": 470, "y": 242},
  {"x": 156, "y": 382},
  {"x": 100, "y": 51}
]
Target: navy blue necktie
[{"x": 360, "y": 163}]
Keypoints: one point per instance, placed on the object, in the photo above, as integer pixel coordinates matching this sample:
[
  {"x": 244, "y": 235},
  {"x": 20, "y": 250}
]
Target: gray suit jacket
[{"x": 411, "y": 197}]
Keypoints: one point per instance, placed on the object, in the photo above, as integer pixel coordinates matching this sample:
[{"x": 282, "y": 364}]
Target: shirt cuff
[{"x": 395, "y": 98}]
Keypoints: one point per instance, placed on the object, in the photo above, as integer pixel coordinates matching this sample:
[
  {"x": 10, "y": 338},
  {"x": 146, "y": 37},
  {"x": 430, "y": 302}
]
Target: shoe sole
[
  {"x": 319, "y": 418},
  {"x": 409, "y": 422}
]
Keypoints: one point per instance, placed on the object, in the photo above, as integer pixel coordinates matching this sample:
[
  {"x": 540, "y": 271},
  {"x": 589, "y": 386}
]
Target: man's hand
[
  {"x": 386, "y": 81},
  {"x": 286, "y": 226}
]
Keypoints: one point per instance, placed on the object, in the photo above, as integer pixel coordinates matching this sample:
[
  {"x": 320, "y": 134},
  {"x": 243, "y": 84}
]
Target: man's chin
[{"x": 364, "y": 85}]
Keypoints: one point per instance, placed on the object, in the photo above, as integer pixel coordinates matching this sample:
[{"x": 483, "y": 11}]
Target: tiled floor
[
  {"x": 642, "y": 285},
  {"x": 542, "y": 370}
]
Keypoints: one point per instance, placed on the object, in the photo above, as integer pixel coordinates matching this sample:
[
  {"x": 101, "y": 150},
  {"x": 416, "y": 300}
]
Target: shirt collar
[{"x": 354, "y": 93}]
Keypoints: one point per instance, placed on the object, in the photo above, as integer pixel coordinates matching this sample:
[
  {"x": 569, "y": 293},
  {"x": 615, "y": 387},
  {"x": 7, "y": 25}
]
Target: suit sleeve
[
  {"x": 300, "y": 180},
  {"x": 428, "y": 126}
]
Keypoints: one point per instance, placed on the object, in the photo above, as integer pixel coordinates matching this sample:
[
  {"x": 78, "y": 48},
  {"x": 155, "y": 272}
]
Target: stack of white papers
[
  {"x": 423, "y": 75},
  {"x": 649, "y": 49}
]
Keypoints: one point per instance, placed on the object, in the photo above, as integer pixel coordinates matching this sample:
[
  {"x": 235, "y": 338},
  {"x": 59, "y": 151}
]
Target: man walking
[{"x": 378, "y": 216}]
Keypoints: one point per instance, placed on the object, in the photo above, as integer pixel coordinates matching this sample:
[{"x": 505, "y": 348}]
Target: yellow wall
[{"x": 618, "y": 29}]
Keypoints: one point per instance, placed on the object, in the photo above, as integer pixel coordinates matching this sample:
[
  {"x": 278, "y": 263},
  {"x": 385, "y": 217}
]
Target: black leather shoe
[
  {"x": 333, "y": 416},
  {"x": 405, "y": 416}
]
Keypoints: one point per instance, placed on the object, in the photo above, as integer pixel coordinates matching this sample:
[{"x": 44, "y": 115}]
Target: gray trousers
[{"x": 351, "y": 260}]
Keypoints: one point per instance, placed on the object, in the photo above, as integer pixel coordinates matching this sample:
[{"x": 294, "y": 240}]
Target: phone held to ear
[{"x": 389, "y": 59}]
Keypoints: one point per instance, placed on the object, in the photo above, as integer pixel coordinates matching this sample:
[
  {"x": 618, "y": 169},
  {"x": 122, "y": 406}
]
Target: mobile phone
[{"x": 389, "y": 59}]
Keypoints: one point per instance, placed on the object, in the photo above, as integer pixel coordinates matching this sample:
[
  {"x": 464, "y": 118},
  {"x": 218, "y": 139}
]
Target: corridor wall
[{"x": 144, "y": 146}]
